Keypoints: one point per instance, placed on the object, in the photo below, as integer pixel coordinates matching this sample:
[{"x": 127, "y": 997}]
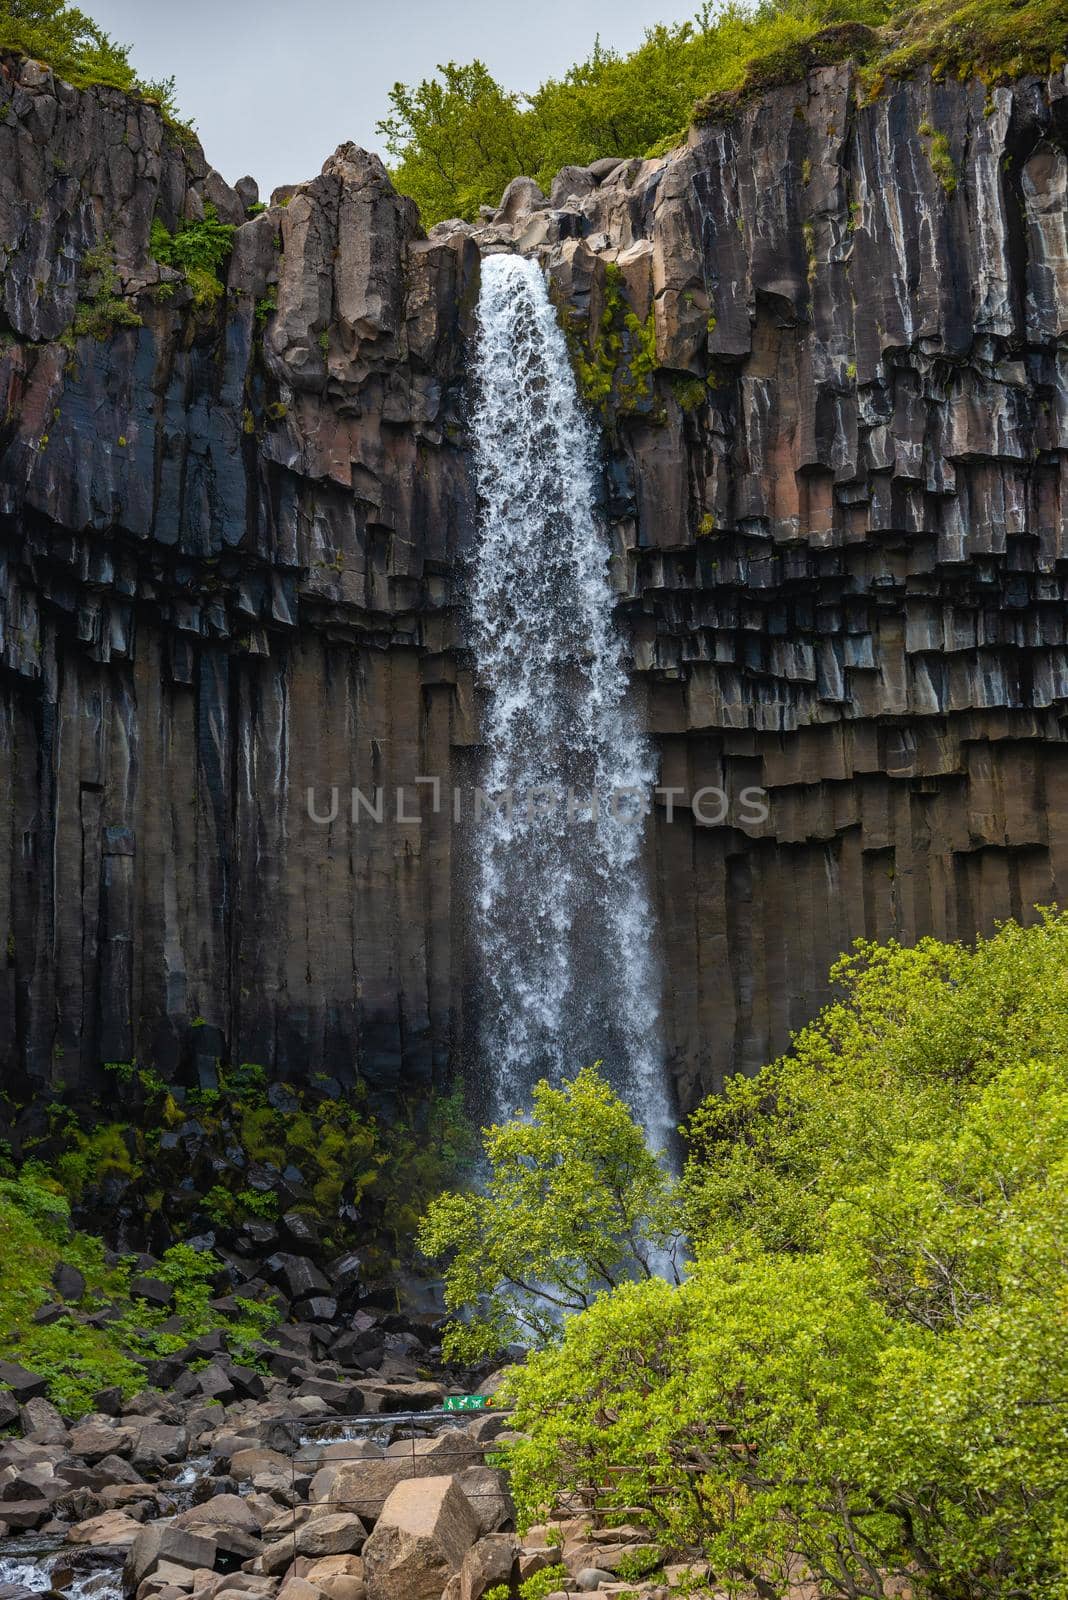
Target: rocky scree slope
[{"x": 828, "y": 340}]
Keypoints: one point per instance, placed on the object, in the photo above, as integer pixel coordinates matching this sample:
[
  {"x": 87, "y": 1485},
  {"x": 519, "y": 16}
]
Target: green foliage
[
  {"x": 863, "y": 1370},
  {"x": 615, "y": 360},
  {"x": 76, "y": 49},
  {"x": 573, "y": 1204},
  {"x": 367, "y": 1181},
  {"x": 543, "y": 1583},
  {"x": 198, "y": 249},
  {"x": 940, "y": 157},
  {"x": 458, "y": 138},
  {"x": 101, "y": 308}
]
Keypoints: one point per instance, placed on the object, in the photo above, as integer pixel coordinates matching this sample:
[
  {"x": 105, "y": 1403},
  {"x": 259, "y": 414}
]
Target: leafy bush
[
  {"x": 573, "y": 1204},
  {"x": 198, "y": 249},
  {"x": 863, "y": 1369},
  {"x": 543, "y": 1583}
]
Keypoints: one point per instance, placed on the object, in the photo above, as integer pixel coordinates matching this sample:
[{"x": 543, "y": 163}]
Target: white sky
[{"x": 274, "y": 87}]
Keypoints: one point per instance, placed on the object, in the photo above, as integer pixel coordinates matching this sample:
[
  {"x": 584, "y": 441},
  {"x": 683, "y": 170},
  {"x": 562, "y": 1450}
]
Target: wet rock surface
[{"x": 232, "y": 547}]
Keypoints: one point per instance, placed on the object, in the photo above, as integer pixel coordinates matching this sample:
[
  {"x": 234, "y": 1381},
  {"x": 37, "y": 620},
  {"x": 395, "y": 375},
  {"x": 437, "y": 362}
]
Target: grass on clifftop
[
  {"x": 458, "y": 138},
  {"x": 78, "y": 51}
]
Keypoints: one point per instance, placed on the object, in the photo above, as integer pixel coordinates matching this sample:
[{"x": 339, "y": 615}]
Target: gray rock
[{"x": 68, "y": 1282}]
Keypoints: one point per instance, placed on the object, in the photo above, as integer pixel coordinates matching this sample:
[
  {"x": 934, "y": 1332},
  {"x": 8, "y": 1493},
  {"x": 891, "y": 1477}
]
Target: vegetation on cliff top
[
  {"x": 458, "y": 138},
  {"x": 77, "y": 49},
  {"x": 864, "y": 1367}
]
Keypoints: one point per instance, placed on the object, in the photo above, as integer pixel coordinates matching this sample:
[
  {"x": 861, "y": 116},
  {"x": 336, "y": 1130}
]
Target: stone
[
  {"x": 491, "y": 1501},
  {"x": 331, "y": 1534},
  {"x": 39, "y": 1417},
  {"x": 519, "y": 200},
  {"x": 92, "y": 1441},
  {"x": 160, "y": 1548},
  {"x": 157, "y": 1444},
  {"x": 111, "y": 1528},
  {"x": 345, "y": 1398},
  {"x": 419, "y": 1542},
  {"x": 9, "y": 1409},
  {"x": 68, "y": 1282},
  {"x": 222, "y": 1510},
  {"x": 488, "y": 1563},
  {"x": 604, "y": 167},
  {"x": 364, "y": 1486},
  {"x": 154, "y": 1290},
  {"x": 593, "y": 1577},
  {"x": 22, "y": 1514},
  {"x": 24, "y": 1385},
  {"x": 298, "y": 1275}
]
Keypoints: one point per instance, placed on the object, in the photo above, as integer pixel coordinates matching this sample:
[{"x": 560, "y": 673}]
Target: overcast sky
[{"x": 274, "y": 87}]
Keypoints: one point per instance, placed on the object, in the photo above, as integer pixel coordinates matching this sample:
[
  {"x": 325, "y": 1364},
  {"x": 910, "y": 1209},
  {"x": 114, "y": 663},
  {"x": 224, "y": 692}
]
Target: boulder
[
  {"x": 341, "y": 1397},
  {"x": 592, "y": 1577},
  {"x": 9, "y": 1409},
  {"x": 604, "y": 167},
  {"x": 163, "y": 1550},
  {"x": 396, "y": 1397},
  {"x": 297, "y": 1275},
  {"x": 92, "y": 1441},
  {"x": 222, "y": 1511},
  {"x": 42, "y": 1422},
  {"x": 333, "y": 1534},
  {"x": 521, "y": 198},
  {"x": 489, "y": 1562},
  {"x": 423, "y": 1534},
  {"x": 24, "y": 1385},
  {"x": 157, "y": 1445},
  {"x": 110, "y": 1528},
  {"x": 154, "y": 1290},
  {"x": 364, "y": 1486},
  {"x": 487, "y": 1490},
  {"x": 22, "y": 1514},
  {"x": 68, "y": 1282},
  {"x": 571, "y": 183}
]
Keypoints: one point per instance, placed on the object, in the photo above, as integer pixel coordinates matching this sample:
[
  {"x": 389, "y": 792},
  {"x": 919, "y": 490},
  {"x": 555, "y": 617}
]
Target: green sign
[{"x": 464, "y": 1402}]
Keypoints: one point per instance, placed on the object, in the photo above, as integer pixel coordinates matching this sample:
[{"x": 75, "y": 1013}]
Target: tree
[
  {"x": 864, "y": 1370},
  {"x": 458, "y": 140},
  {"x": 573, "y": 1204}
]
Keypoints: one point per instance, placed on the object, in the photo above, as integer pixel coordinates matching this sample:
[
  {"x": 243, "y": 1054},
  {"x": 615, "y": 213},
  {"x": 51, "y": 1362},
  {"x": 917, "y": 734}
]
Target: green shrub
[
  {"x": 862, "y": 1371},
  {"x": 543, "y": 1583},
  {"x": 198, "y": 249}
]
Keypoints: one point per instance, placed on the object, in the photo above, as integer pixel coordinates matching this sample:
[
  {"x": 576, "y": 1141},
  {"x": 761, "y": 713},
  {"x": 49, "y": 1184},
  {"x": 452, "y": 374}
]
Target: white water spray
[{"x": 564, "y": 924}]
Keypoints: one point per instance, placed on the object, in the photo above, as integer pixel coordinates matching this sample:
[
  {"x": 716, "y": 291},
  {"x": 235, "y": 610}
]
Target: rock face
[{"x": 232, "y": 546}]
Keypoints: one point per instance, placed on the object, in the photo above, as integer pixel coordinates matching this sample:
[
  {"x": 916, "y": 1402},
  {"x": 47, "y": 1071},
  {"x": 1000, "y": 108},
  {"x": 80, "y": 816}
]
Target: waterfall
[{"x": 564, "y": 928}]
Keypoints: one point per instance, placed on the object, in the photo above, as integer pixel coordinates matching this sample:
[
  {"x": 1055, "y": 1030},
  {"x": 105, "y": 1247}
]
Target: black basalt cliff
[{"x": 829, "y": 338}]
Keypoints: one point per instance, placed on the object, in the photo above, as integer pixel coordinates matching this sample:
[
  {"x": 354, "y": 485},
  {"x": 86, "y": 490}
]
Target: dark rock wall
[{"x": 232, "y": 550}]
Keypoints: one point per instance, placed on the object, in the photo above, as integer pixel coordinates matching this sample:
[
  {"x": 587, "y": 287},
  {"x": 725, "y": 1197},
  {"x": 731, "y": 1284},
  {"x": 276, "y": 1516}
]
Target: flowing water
[{"x": 564, "y": 925}]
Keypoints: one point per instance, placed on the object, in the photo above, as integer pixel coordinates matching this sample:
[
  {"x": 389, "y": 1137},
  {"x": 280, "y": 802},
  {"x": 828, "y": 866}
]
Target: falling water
[{"x": 564, "y": 923}]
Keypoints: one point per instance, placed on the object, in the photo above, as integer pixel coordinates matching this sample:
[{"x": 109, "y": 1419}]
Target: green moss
[
  {"x": 689, "y": 392},
  {"x": 614, "y": 361},
  {"x": 938, "y": 153}
]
